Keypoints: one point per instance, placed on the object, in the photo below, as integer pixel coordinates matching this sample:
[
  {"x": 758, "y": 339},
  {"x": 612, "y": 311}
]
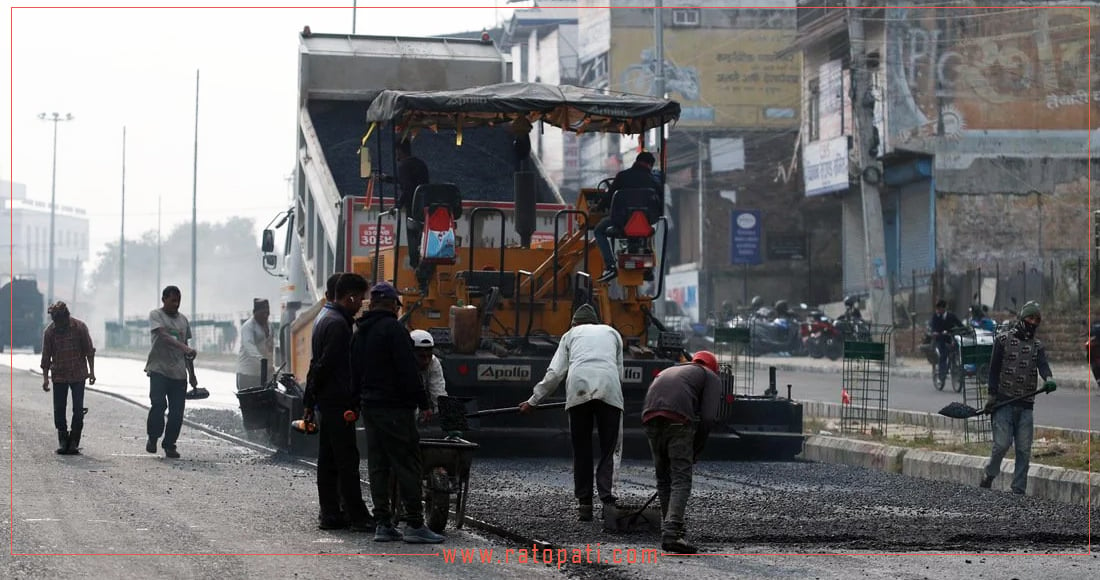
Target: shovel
[
  {"x": 645, "y": 516},
  {"x": 962, "y": 411}
]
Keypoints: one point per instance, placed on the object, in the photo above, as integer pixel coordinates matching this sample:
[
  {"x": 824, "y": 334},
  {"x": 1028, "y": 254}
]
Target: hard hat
[
  {"x": 707, "y": 359},
  {"x": 422, "y": 339}
]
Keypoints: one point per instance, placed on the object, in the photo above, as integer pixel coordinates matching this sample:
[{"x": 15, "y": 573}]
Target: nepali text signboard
[
  {"x": 825, "y": 166},
  {"x": 745, "y": 237}
]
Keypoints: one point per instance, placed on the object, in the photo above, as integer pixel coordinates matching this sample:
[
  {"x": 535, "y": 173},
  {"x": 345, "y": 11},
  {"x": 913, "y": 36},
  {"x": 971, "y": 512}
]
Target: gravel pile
[
  {"x": 481, "y": 168},
  {"x": 785, "y": 506}
]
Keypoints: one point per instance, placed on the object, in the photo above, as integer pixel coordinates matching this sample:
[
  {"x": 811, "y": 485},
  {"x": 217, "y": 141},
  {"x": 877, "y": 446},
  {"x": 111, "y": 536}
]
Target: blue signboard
[{"x": 745, "y": 237}]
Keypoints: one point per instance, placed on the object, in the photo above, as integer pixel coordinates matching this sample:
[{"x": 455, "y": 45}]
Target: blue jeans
[
  {"x": 604, "y": 244},
  {"x": 1012, "y": 424},
  {"x": 165, "y": 393},
  {"x": 61, "y": 399}
]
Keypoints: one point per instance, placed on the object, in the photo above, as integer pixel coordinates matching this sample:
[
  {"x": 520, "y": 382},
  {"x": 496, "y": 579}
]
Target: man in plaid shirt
[{"x": 68, "y": 356}]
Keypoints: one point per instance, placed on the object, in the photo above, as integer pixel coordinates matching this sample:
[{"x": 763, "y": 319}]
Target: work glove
[
  {"x": 992, "y": 402},
  {"x": 1050, "y": 386}
]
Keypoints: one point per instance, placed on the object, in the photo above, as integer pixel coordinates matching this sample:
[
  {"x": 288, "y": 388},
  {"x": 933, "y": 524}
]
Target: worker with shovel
[
  {"x": 680, "y": 407},
  {"x": 1017, "y": 355}
]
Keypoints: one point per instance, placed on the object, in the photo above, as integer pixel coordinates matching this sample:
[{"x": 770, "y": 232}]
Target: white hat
[{"x": 422, "y": 339}]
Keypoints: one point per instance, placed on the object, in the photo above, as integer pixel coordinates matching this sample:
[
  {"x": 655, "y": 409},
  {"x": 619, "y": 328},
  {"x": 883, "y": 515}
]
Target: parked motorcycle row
[{"x": 801, "y": 331}]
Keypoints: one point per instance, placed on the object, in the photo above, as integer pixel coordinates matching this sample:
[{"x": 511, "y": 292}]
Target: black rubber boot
[
  {"x": 74, "y": 442},
  {"x": 62, "y": 442}
]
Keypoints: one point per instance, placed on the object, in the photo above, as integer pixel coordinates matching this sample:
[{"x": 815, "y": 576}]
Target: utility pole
[
  {"x": 659, "y": 42},
  {"x": 54, "y": 118},
  {"x": 863, "y": 118},
  {"x": 122, "y": 240},
  {"x": 194, "y": 207}
]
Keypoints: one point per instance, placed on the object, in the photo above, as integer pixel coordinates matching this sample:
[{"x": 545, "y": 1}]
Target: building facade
[
  {"x": 26, "y": 223},
  {"x": 982, "y": 123}
]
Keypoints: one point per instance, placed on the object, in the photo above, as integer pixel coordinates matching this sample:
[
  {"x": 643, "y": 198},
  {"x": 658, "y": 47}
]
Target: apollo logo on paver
[
  {"x": 502, "y": 373},
  {"x": 632, "y": 375}
]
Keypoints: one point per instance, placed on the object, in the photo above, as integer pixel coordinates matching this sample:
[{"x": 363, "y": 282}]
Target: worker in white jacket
[
  {"x": 431, "y": 370},
  {"x": 257, "y": 343},
  {"x": 590, "y": 359}
]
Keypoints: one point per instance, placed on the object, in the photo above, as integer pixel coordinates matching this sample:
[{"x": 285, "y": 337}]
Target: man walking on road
[
  {"x": 680, "y": 407},
  {"x": 329, "y": 387},
  {"x": 257, "y": 347},
  {"x": 68, "y": 352},
  {"x": 1017, "y": 356},
  {"x": 170, "y": 366},
  {"x": 590, "y": 360},
  {"x": 385, "y": 369}
]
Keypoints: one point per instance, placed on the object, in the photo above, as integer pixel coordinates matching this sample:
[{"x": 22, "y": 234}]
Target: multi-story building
[
  {"x": 982, "y": 122},
  {"x": 25, "y": 229}
]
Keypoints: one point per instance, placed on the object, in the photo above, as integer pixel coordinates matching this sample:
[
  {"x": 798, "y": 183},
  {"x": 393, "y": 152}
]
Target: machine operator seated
[{"x": 637, "y": 177}]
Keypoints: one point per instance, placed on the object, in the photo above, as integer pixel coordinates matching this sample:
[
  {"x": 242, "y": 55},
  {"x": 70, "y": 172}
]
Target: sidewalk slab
[{"x": 1052, "y": 483}]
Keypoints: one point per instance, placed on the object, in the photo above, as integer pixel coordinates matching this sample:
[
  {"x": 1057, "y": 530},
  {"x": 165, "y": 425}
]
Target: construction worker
[
  {"x": 330, "y": 389},
  {"x": 257, "y": 347},
  {"x": 590, "y": 360},
  {"x": 170, "y": 367},
  {"x": 385, "y": 369},
  {"x": 680, "y": 407},
  {"x": 637, "y": 176},
  {"x": 431, "y": 370},
  {"x": 68, "y": 355},
  {"x": 1017, "y": 356}
]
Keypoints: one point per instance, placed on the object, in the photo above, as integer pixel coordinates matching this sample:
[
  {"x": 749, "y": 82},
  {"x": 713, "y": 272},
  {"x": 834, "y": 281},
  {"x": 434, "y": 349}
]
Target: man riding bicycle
[{"x": 939, "y": 327}]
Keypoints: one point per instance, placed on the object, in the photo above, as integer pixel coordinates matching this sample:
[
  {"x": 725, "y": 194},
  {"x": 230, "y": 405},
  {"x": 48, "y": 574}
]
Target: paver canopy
[{"x": 567, "y": 107}]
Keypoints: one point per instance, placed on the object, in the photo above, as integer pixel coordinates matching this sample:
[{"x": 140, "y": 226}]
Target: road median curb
[{"x": 1047, "y": 482}]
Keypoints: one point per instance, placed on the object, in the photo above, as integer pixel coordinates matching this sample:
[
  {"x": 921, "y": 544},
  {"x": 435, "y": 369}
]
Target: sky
[{"x": 135, "y": 66}]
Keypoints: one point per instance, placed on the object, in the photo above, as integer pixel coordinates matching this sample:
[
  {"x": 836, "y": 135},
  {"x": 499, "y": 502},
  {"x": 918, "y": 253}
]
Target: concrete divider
[{"x": 1053, "y": 483}]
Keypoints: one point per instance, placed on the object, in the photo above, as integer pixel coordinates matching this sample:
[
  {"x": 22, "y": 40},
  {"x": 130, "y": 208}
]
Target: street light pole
[
  {"x": 55, "y": 118},
  {"x": 122, "y": 240}
]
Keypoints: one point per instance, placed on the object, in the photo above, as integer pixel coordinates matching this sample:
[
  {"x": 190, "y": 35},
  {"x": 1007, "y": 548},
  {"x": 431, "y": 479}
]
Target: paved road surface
[
  {"x": 1067, "y": 408},
  {"x": 242, "y": 514}
]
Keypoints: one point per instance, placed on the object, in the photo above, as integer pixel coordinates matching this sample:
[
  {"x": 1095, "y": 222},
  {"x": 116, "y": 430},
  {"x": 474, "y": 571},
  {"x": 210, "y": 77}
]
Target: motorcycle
[
  {"x": 821, "y": 337},
  {"x": 776, "y": 330}
]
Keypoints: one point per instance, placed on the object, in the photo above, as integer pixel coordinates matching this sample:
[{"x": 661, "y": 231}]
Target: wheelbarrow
[{"x": 445, "y": 465}]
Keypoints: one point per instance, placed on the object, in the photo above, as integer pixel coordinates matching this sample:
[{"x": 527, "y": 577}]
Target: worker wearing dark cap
[
  {"x": 1017, "y": 357},
  {"x": 257, "y": 347},
  {"x": 387, "y": 375}
]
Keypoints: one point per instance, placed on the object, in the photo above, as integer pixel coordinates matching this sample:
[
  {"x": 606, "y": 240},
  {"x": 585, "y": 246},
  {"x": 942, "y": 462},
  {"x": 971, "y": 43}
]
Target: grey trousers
[{"x": 673, "y": 450}]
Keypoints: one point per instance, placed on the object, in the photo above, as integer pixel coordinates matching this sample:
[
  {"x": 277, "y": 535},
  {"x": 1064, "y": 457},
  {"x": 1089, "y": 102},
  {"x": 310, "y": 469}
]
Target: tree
[{"x": 229, "y": 272}]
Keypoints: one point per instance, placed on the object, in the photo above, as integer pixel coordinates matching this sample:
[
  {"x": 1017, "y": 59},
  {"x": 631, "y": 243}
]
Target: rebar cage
[
  {"x": 865, "y": 385},
  {"x": 736, "y": 363},
  {"x": 974, "y": 359}
]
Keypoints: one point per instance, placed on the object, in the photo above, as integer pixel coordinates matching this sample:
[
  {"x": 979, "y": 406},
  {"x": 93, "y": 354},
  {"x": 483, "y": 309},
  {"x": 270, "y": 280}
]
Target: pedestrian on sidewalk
[
  {"x": 385, "y": 368},
  {"x": 590, "y": 360},
  {"x": 680, "y": 408},
  {"x": 257, "y": 347},
  {"x": 68, "y": 356},
  {"x": 940, "y": 326},
  {"x": 1017, "y": 356},
  {"x": 330, "y": 389}
]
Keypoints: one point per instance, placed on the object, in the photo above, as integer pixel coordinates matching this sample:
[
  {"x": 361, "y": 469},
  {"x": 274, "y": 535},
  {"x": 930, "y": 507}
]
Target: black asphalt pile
[
  {"x": 481, "y": 168},
  {"x": 784, "y": 506}
]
